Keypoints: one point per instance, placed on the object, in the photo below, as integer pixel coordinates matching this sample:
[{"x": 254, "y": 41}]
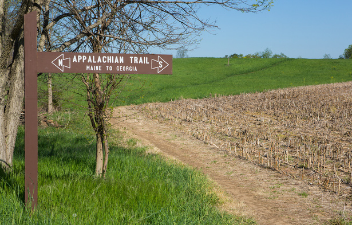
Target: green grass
[
  {"x": 200, "y": 77},
  {"x": 139, "y": 188},
  {"x": 303, "y": 194}
]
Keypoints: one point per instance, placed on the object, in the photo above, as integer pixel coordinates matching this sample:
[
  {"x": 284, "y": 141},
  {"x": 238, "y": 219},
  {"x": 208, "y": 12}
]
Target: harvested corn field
[{"x": 304, "y": 133}]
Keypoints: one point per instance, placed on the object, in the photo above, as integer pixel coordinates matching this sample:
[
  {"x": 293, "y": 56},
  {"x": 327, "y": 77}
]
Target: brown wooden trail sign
[{"x": 69, "y": 62}]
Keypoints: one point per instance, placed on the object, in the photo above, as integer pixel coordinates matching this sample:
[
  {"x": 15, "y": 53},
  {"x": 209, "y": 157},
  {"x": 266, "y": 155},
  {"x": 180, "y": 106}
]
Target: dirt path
[{"x": 247, "y": 189}]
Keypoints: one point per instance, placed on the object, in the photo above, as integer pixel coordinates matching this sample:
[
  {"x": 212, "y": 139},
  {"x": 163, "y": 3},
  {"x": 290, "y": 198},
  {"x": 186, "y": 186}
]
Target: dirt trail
[{"x": 247, "y": 189}]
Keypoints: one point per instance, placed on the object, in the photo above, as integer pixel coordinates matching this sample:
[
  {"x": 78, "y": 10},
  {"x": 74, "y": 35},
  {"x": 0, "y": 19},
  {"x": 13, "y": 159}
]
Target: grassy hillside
[{"x": 200, "y": 77}]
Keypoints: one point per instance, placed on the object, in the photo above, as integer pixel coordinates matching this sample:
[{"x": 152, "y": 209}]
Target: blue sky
[{"x": 297, "y": 28}]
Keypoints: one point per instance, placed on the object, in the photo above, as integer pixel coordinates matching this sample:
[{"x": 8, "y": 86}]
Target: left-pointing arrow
[{"x": 60, "y": 62}]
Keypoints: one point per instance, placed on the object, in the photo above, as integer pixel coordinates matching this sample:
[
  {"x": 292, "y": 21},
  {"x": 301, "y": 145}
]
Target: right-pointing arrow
[
  {"x": 159, "y": 64},
  {"x": 60, "y": 62}
]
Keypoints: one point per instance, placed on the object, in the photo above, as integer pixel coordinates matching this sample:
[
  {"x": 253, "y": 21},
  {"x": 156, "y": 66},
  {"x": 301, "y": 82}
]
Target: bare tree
[
  {"x": 182, "y": 53},
  {"x": 131, "y": 26}
]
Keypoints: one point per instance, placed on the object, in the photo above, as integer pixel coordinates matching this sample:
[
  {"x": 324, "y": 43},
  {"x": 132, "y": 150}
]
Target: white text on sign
[{"x": 95, "y": 63}]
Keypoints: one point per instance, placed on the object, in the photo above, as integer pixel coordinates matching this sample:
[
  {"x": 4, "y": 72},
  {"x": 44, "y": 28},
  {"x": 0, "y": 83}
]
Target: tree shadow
[{"x": 57, "y": 150}]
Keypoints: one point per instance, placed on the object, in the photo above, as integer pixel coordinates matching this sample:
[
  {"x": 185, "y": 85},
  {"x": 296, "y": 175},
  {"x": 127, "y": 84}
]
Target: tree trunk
[
  {"x": 106, "y": 150},
  {"x": 96, "y": 113},
  {"x": 2, "y": 118},
  {"x": 9, "y": 120},
  {"x": 100, "y": 156},
  {"x": 2, "y": 24},
  {"x": 3, "y": 79}
]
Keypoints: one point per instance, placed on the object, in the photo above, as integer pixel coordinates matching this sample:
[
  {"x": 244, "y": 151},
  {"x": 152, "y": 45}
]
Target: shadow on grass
[
  {"x": 53, "y": 142},
  {"x": 61, "y": 154}
]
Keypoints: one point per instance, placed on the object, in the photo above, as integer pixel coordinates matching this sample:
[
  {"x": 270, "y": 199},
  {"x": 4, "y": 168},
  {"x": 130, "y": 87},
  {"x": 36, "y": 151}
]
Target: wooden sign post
[{"x": 69, "y": 62}]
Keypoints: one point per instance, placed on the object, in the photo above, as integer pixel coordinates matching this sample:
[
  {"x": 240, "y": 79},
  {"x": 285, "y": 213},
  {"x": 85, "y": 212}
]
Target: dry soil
[{"x": 245, "y": 189}]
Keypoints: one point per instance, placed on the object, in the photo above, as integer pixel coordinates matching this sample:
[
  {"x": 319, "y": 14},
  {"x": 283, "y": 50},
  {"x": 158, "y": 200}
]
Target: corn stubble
[{"x": 303, "y": 132}]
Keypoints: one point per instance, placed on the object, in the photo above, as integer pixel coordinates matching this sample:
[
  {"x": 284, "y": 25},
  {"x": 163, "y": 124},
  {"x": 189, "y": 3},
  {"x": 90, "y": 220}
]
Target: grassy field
[
  {"x": 202, "y": 77},
  {"x": 140, "y": 188}
]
